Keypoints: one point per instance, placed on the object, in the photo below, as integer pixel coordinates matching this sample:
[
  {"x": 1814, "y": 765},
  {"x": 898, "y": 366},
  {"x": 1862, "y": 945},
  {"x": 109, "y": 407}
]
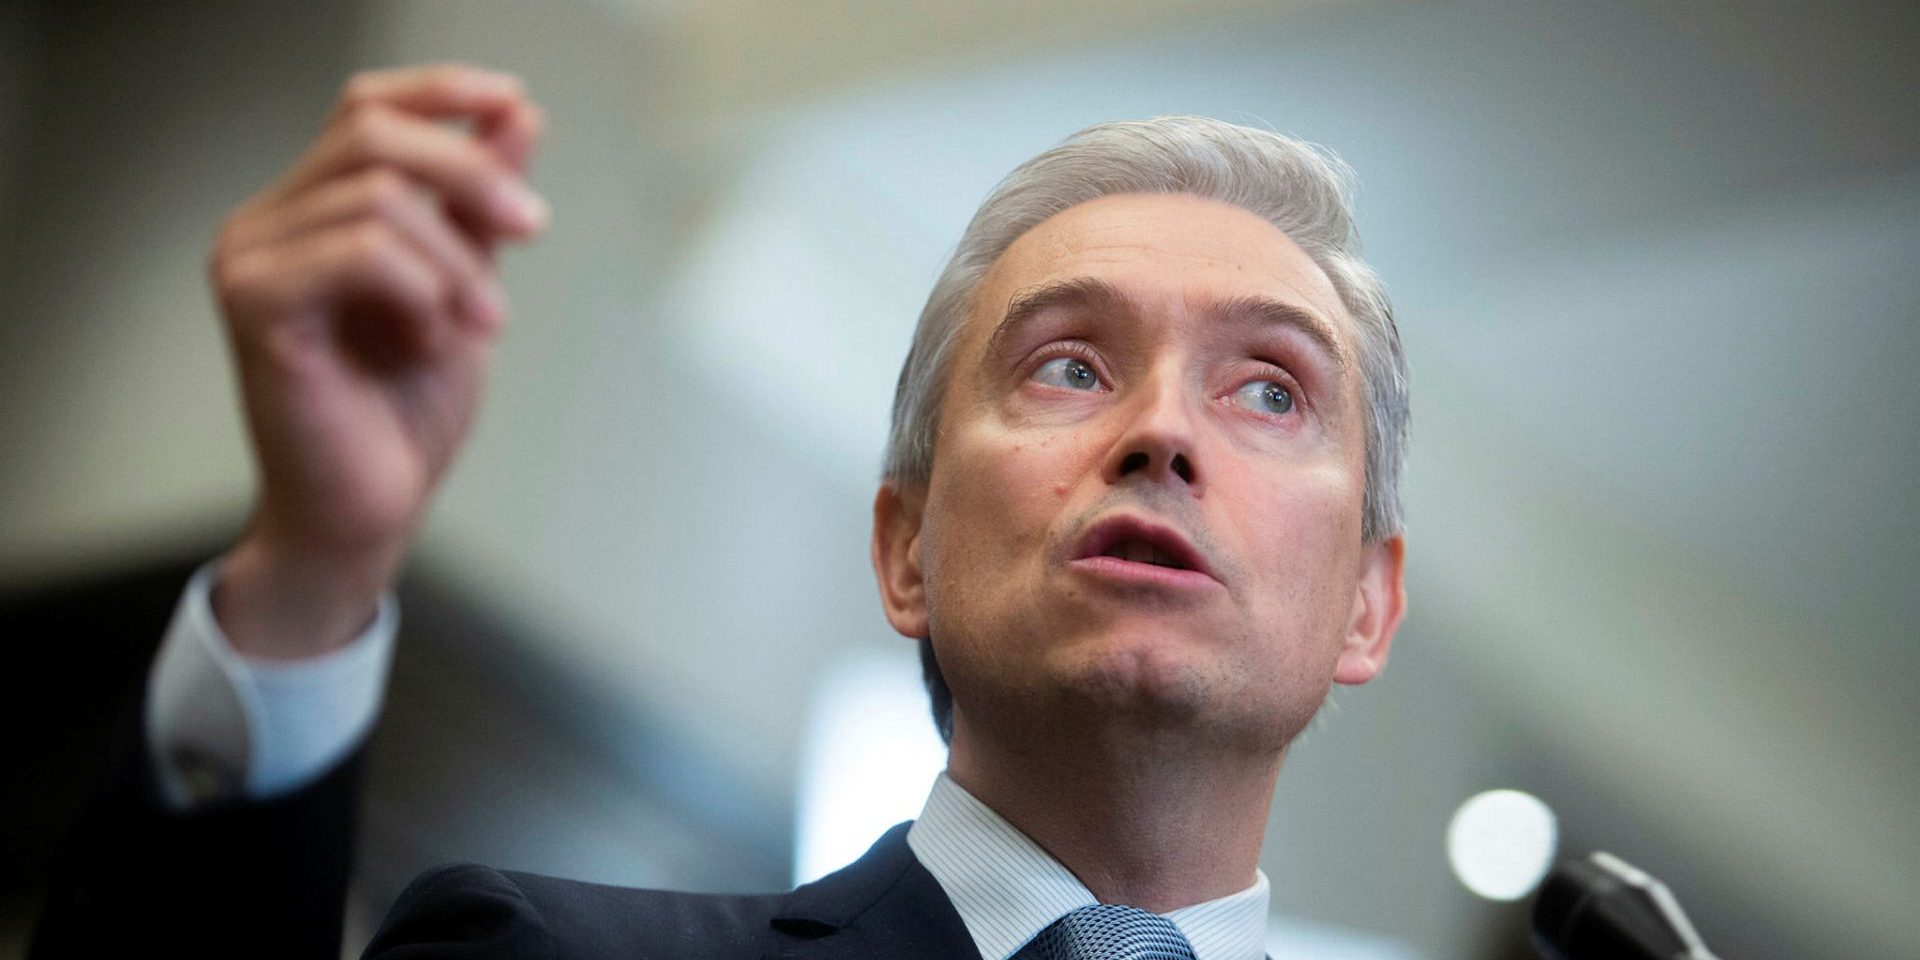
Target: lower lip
[{"x": 1134, "y": 573}]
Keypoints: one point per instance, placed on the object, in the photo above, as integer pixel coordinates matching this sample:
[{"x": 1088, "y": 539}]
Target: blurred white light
[
  {"x": 868, "y": 760},
  {"x": 1501, "y": 843}
]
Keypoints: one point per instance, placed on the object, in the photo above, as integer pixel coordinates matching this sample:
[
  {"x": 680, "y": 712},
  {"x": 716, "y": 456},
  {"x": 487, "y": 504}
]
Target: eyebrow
[
  {"x": 1268, "y": 312},
  {"x": 1085, "y": 293},
  {"x": 1091, "y": 293}
]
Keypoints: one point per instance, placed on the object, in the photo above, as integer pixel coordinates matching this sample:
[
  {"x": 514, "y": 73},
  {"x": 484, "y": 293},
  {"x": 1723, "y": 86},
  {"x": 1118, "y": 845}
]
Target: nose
[{"x": 1158, "y": 439}]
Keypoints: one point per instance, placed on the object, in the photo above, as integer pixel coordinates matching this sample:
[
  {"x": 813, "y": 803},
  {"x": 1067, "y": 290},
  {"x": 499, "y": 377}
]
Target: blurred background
[{"x": 1657, "y": 267}]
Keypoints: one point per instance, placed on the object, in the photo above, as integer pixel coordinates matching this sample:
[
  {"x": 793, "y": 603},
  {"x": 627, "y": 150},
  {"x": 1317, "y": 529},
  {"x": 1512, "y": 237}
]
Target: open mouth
[
  {"x": 1141, "y": 551},
  {"x": 1137, "y": 541}
]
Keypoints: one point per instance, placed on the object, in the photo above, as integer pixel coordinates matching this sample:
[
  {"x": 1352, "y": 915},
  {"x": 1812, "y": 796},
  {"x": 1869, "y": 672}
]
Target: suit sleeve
[
  {"x": 221, "y": 869},
  {"x": 226, "y": 880}
]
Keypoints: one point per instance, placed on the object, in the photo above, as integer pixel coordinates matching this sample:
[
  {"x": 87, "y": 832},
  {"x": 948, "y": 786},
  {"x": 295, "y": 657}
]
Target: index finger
[
  {"x": 437, "y": 90},
  {"x": 511, "y": 134}
]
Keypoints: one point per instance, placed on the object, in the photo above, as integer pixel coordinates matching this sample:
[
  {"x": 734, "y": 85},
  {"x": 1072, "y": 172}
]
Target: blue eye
[
  {"x": 1069, "y": 372},
  {"x": 1265, "y": 396}
]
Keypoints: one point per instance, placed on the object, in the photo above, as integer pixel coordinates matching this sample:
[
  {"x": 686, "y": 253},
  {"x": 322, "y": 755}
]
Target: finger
[
  {"x": 505, "y": 119},
  {"x": 483, "y": 194},
  {"x": 391, "y": 304},
  {"x": 441, "y": 90},
  {"x": 381, "y": 193},
  {"x": 511, "y": 133}
]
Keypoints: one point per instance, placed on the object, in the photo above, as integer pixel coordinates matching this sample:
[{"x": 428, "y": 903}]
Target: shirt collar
[{"x": 1006, "y": 889}]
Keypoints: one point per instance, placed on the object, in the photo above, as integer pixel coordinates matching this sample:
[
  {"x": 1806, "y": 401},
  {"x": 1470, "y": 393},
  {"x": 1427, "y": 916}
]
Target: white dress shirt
[
  {"x": 1006, "y": 889},
  {"x": 221, "y": 724}
]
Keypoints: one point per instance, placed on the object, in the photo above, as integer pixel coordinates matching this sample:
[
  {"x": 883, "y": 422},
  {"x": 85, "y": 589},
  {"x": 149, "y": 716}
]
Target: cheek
[
  {"x": 1003, "y": 480},
  {"x": 1304, "y": 543},
  {"x": 995, "y": 499}
]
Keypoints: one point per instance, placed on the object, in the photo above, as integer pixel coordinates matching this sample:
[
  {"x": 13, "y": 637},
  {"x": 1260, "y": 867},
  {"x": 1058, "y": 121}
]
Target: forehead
[{"x": 1169, "y": 251}]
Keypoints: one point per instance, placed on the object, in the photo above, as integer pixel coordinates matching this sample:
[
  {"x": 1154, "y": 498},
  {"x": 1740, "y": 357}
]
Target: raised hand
[{"x": 362, "y": 303}]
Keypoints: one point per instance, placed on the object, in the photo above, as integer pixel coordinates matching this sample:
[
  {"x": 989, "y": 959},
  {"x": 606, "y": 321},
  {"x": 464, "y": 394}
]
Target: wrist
[{"x": 278, "y": 602}]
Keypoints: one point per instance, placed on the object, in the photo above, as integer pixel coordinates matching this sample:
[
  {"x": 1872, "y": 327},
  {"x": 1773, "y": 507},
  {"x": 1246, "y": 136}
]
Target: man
[{"x": 1139, "y": 509}]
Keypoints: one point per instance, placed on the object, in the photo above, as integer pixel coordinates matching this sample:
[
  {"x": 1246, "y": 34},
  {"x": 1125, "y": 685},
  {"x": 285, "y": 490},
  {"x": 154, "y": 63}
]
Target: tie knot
[{"x": 1111, "y": 931}]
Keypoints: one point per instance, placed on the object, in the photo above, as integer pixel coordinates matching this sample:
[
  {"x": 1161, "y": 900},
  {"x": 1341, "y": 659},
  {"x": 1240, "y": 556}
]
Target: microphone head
[{"x": 1603, "y": 908}]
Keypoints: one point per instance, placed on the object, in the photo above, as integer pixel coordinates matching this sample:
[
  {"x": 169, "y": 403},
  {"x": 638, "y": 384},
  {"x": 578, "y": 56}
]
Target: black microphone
[{"x": 1604, "y": 908}]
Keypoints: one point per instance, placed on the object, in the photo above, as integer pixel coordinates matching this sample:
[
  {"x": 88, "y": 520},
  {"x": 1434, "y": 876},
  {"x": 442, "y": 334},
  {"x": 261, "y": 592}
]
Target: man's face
[{"x": 1146, "y": 496}]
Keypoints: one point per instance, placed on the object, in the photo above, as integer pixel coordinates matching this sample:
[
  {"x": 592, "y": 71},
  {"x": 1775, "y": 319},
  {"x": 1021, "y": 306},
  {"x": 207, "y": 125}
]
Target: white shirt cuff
[{"x": 222, "y": 725}]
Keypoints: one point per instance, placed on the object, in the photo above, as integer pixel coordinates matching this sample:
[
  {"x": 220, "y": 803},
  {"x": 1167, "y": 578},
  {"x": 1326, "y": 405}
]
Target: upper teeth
[{"x": 1140, "y": 551}]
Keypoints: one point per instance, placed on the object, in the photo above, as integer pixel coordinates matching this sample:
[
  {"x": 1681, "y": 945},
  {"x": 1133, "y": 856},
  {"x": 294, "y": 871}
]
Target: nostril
[{"x": 1140, "y": 460}]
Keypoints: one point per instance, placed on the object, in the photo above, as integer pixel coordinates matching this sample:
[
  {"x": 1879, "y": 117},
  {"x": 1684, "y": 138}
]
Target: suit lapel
[{"x": 884, "y": 904}]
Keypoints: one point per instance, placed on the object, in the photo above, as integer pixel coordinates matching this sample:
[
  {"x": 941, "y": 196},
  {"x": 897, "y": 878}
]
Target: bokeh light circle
[{"x": 1501, "y": 843}]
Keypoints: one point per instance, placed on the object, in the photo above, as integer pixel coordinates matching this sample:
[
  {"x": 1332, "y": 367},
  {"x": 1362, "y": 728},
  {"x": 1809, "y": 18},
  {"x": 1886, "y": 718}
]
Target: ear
[
  {"x": 897, "y": 511},
  {"x": 1379, "y": 601}
]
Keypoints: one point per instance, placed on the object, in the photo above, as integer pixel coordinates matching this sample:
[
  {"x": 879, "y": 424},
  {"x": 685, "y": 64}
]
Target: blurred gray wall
[{"x": 1655, "y": 266}]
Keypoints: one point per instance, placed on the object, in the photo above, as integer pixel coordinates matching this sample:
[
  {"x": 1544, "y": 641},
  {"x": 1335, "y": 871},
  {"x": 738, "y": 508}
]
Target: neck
[{"x": 1142, "y": 817}]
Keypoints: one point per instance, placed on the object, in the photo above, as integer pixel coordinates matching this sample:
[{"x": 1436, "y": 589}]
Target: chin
[
  {"x": 1190, "y": 687},
  {"x": 1151, "y": 674}
]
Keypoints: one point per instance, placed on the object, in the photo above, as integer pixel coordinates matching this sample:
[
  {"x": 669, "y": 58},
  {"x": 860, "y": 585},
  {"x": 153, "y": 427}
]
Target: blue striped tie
[{"x": 1109, "y": 931}]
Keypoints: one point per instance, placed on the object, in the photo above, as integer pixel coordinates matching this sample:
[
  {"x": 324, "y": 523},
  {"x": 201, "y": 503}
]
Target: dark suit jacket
[{"x": 269, "y": 879}]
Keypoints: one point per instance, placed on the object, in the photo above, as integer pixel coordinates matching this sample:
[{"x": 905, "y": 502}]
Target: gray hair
[{"x": 1299, "y": 187}]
